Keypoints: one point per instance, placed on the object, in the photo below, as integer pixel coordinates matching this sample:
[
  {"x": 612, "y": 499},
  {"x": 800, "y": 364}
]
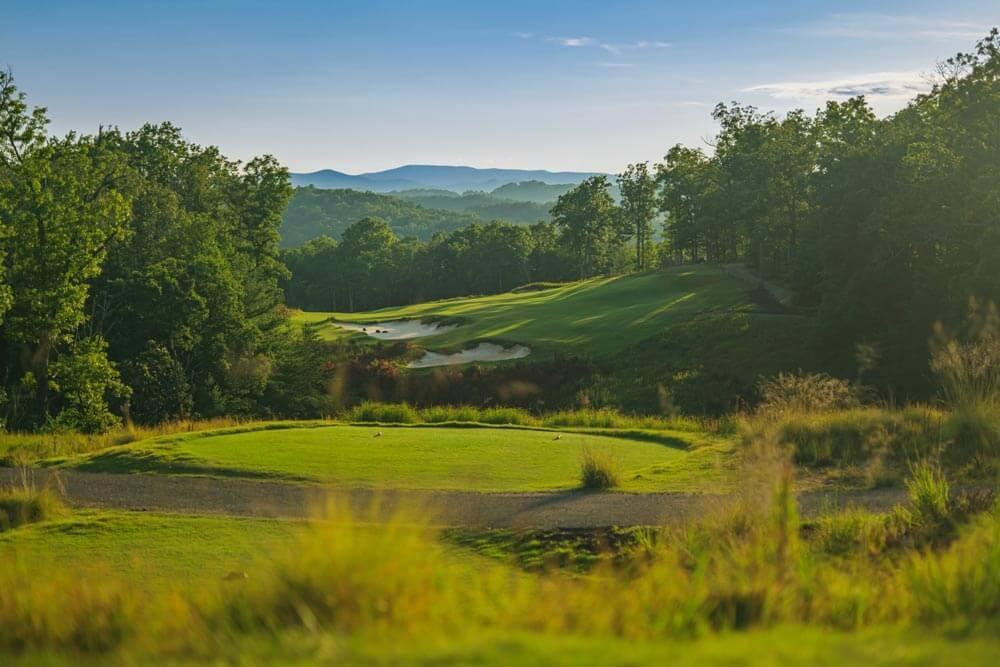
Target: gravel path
[{"x": 202, "y": 495}]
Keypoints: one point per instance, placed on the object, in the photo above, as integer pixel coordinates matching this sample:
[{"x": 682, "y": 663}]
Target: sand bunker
[
  {"x": 397, "y": 329},
  {"x": 481, "y": 352}
]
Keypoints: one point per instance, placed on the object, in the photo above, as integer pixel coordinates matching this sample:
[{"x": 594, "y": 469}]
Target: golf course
[
  {"x": 447, "y": 334},
  {"x": 595, "y": 318}
]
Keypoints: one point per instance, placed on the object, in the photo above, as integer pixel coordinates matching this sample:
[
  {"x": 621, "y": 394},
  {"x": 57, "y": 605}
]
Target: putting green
[{"x": 475, "y": 458}]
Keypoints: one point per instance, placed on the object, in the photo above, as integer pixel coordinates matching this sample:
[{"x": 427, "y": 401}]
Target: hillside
[
  {"x": 445, "y": 177},
  {"x": 486, "y": 205},
  {"x": 695, "y": 331},
  {"x": 313, "y": 212}
]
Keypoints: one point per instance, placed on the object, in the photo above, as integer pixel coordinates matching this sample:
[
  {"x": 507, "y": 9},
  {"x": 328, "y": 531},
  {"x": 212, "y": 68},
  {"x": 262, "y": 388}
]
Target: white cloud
[
  {"x": 614, "y": 49},
  {"x": 881, "y": 27},
  {"x": 573, "y": 42},
  {"x": 524, "y": 35},
  {"x": 885, "y": 85}
]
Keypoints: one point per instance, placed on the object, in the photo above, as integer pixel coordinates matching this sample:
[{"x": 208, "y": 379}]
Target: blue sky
[{"x": 360, "y": 86}]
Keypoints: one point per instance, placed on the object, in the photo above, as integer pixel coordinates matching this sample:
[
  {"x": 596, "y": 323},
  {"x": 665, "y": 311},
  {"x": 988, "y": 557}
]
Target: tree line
[
  {"x": 373, "y": 266},
  {"x": 140, "y": 274},
  {"x": 882, "y": 227}
]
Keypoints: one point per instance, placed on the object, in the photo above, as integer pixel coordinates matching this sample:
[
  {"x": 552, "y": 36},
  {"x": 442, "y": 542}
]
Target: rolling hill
[
  {"x": 695, "y": 332},
  {"x": 314, "y": 212},
  {"x": 444, "y": 177}
]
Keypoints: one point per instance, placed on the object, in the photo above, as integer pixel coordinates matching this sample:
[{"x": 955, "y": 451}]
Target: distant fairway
[
  {"x": 597, "y": 317},
  {"x": 468, "y": 458}
]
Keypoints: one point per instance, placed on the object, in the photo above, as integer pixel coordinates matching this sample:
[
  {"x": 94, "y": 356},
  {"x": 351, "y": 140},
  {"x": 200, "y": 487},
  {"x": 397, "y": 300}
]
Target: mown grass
[
  {"x": 159, "y": 551},
  {"x": 471, "y": 457},
  {"x": 343, "y": 587},
  {"x": 594, "y": 318}
]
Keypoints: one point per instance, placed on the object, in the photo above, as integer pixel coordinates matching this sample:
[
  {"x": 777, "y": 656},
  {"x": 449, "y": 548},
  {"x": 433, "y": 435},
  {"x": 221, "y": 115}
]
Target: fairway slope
[{"x": 596, "y": 318}]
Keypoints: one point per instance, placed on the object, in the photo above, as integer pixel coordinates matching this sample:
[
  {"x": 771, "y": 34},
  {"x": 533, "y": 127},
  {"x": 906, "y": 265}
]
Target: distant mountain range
[{"x": 439, "y": 177}]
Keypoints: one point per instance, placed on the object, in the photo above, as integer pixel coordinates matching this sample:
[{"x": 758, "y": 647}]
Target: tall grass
[
  {"x": 402, "y": 413},
  {"x": 855, "y": 436},
  {"x": 24, "y": 448},
  {"x": 930, "y": 493},
  {"x": 599, "y": 470},
  {"x": 25, "y": 505},
  {"x": 741, "y": 568},
  {"x": 968, "y": 372}
]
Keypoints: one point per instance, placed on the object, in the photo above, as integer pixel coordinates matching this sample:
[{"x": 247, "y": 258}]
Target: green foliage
[
  {"x": 488, "y": 205},
  {"x": 85, "y": 379},
  {"x": 138, "y": 251},
  {"x": 372, "y": 268},
  {"x": 313, "y": 212},
  {"x": 592, "y": 228},
  {"x": 160, "y": 388},
  {"x": 877, "y": 225},
  {"x": 638, "y": 208}
]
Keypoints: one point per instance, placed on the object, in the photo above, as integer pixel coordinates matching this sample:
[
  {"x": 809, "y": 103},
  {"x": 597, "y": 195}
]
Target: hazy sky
[{"x": 359, "y": 86}]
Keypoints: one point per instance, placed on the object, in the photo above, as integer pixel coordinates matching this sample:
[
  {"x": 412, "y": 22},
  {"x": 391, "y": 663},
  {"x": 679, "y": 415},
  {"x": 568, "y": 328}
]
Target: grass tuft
[
  {"x": 599, "y": 470},
  {"x": 929, "y": 492},
  {"x": 23, "y": 506}
]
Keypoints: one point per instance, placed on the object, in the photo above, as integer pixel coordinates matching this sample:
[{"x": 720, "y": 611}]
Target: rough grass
[
  {"x": 735, "y": 577},
  {"x": 599, "y": 470},
  {"x": 853, "y": 436},
  {"x": 24, "y": 506},
  {"x": 24, "y": 448},
  {"x": 596, "y": 418}
]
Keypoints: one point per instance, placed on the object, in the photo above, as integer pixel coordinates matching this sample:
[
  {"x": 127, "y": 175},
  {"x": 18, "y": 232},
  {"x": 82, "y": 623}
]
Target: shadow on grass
[{"x": 130, "y": 461}]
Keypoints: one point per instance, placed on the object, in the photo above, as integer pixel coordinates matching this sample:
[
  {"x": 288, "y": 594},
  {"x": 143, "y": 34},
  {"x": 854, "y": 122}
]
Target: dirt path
[{"x": 196, "y": 495}]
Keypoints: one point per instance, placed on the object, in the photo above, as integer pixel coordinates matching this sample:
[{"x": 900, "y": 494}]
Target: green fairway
[
  {"x": 154, "y": 549},
  {"x": 474, "y": 458},
  {"x": 597, "y": 317}
]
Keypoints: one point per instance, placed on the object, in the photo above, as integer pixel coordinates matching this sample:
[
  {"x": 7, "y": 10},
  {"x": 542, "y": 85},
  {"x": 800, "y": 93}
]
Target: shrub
[
  {"x": 388, "y": 413},
  {"x": 598, "y": 470},
  {"x": 23, "y": 506},
  {"x": 853, "y": 436},
  {"x": 791, "y": 392}
]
